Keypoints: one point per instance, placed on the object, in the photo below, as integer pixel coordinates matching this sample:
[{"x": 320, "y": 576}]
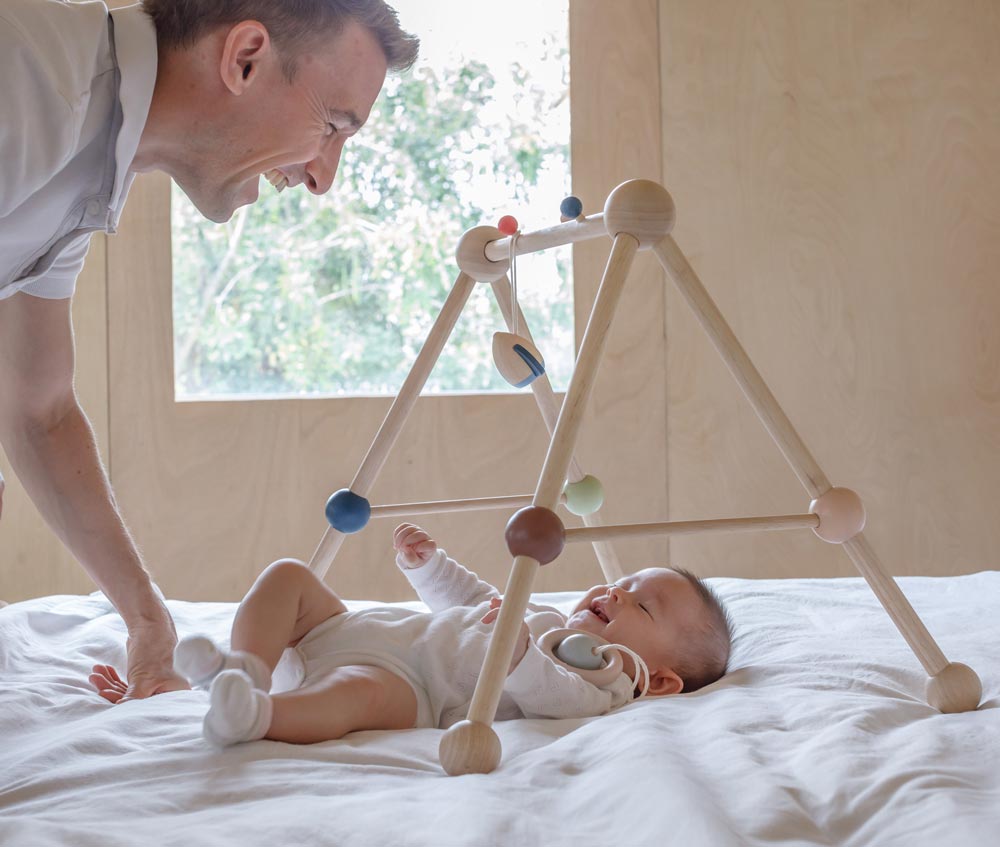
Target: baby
[{"x": 393, "y": 668}]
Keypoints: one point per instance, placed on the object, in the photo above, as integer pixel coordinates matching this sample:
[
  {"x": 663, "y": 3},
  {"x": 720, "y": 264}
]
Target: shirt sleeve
[
  {"x": 59, "y": 281},
  {"x": 38, "y": 125},
  {"x": 443, "y": 583},
  {"x": 543, "y": 689}
]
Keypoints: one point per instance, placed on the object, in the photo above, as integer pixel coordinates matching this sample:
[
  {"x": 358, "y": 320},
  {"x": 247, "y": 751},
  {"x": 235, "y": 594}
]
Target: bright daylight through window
[{"x": 300, "y": 295}]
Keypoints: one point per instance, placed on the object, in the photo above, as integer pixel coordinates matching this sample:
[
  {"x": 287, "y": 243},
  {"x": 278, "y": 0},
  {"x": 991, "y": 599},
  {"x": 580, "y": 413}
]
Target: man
[{"x": 213, "y": 92}]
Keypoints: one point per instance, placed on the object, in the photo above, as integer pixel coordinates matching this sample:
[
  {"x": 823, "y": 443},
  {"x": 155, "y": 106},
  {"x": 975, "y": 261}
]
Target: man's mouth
[{"x": 277, "y": 179}]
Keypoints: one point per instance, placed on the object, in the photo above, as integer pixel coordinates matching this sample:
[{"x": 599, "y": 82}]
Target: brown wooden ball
[{"x": 536, "y": 532}]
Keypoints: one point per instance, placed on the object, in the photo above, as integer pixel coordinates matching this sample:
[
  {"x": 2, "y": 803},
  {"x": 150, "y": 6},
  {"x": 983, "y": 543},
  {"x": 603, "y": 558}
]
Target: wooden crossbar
[{"x": 633, "y": 530}]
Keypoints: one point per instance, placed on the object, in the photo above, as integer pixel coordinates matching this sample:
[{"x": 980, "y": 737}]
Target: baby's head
[{"x": 670, "y": 618}]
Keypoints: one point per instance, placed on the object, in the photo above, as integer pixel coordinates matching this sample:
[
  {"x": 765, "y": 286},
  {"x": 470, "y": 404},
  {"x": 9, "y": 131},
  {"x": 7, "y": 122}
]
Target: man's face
[{"x": 298, "y": 128}]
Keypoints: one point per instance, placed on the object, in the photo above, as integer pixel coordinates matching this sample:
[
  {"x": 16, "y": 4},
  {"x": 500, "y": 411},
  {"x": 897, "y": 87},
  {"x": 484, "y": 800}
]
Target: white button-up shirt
[{"x": 76, "y": 82}]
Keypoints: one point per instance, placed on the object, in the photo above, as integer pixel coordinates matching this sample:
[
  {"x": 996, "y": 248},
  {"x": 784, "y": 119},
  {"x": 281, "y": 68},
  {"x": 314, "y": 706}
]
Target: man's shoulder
[{"x": 61, "y": 40}]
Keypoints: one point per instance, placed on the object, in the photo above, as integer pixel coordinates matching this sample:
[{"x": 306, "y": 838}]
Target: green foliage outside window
[{"x": 334, "y": 295}]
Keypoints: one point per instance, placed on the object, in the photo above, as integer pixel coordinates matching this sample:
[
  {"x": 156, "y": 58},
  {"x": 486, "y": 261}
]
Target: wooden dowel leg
[
  {"x": 561, "y": 447},
  {"x": 548, "y": 405},
  {"x": 952, "y": 686},
  {"x": 471, "y": 746},
  {"x": 398, "y": 412},
  {"x": 739, "y": 364}
]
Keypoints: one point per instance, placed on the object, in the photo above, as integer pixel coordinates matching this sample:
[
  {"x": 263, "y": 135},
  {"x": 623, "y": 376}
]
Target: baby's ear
[{"x": 665, "y": 681}]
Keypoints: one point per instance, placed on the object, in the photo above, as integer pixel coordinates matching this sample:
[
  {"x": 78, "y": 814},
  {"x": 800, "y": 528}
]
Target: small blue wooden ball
[
  {"x": 578, "y": 650},
  {"x": 347, "y": 512},
  {"x": 571, "y": 207}
]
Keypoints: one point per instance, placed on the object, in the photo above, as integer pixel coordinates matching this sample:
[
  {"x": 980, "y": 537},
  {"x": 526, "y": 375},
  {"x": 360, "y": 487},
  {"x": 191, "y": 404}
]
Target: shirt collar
[{"x": 135, "y": 47}]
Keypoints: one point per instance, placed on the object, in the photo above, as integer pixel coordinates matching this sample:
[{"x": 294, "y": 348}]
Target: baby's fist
[{"x": 415, "y": 546}]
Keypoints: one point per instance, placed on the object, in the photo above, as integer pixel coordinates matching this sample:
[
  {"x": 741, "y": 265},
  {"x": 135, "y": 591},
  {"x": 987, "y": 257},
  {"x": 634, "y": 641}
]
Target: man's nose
[{"x": 320, "y": 172}]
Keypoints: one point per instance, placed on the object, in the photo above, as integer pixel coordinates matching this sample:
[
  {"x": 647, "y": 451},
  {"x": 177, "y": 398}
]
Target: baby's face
[{"x": 647, "y": 611}]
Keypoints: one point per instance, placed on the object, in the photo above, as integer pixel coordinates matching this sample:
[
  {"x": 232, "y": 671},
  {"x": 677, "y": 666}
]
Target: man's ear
[
  {"x": 246, "y": 44},
  {"x": 664, "y": 681}
]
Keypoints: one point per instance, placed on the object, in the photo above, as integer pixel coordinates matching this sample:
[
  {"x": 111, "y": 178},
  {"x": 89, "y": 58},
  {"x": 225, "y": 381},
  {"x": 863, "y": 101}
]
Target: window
[{"x": 301, "y": 295}]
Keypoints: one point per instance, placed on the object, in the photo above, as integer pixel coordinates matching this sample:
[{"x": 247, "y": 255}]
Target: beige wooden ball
[
  {"x": 841, "y": 515},
  {"x": 643, "y": 209},
  {"x": 471, "y": 254},
  {"x": 469, "y": 747},
  {"x": 955, "y": 689}
]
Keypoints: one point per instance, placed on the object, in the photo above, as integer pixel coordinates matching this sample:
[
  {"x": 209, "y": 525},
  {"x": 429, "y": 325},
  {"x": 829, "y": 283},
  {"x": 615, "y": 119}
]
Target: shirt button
[{"x": 94, "y": 207}]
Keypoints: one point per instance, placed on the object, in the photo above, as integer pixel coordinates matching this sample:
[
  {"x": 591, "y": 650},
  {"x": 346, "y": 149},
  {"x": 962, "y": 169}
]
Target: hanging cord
[
  {"x": 512, "y": 256},
  {"x": 643, "y": 674}
]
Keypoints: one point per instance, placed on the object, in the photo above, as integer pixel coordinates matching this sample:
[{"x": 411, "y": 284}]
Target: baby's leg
[
  {"x": 351, "y": 698},
  {"x": 285, "y": 602}
]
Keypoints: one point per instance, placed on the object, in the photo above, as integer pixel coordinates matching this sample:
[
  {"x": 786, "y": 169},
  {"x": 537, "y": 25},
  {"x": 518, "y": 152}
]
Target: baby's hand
[
  {"x": 413, "y": 544},
  {"x": 521, "y": 646}
]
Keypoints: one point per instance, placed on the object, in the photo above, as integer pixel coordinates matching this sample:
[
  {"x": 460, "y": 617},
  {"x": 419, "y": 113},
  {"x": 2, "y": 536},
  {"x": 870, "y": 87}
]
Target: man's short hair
[{"x": 294, "y": 25}]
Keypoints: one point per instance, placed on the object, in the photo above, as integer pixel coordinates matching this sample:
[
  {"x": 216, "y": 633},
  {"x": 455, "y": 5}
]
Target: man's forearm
[{"x": 61, "y": 469}]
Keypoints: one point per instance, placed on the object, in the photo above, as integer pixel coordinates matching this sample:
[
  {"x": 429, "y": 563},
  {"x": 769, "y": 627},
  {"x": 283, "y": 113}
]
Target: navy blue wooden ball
[
  {"x": 571, "y": 207},
  {"x": 347, "y": 512}
]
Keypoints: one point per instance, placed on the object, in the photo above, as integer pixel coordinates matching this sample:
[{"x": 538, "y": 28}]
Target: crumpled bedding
[{"x": 818, "y": 736}]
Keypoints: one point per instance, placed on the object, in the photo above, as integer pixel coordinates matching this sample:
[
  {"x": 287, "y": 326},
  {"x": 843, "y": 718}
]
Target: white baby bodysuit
[{"x": 441, "y": 653}]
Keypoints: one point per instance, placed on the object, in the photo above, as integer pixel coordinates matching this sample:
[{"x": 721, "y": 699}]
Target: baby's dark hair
[{"x": 704, "y": 656}]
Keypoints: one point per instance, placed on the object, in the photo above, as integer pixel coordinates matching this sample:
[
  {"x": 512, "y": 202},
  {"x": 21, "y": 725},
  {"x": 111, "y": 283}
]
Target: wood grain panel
[
  {"x": 834, "y": 169},
  {"x": 34, "y": 561},
  {"x": 214, "y": 491}
]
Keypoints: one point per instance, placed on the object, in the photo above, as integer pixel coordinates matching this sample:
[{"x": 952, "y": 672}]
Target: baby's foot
[
  {"x": 199, "y": 661},
  {"x": 238, "y": 711}
]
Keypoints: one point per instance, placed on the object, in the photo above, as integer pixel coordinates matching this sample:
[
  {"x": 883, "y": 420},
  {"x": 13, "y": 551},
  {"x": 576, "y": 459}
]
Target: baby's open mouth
[{"x": 595, "y": 610}]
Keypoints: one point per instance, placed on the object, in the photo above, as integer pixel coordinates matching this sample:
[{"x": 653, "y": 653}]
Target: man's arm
[{"x": 51, "y": 447}]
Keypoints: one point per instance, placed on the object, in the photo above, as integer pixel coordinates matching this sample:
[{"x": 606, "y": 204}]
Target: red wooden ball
[{"x": 507, "y": 225}]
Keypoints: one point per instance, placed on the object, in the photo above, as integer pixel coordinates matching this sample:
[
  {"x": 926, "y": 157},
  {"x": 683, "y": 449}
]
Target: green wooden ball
[{"x": 584, "y": 497}]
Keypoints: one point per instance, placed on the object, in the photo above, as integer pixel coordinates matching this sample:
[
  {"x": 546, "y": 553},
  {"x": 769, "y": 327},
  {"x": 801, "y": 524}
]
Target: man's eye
[
  {"x": 333, "y": 129},
  {"x": 645, "y": 610}
]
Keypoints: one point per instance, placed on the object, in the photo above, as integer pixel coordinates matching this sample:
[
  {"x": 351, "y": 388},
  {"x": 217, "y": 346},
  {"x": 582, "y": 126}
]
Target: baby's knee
[{"x": 286, "y": 571}]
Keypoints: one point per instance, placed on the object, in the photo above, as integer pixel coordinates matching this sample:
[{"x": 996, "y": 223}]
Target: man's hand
[
  {"x": 521, "y": 645},
  {"x": 150, "y": 668},
  {"x": 414, "y": 545}
]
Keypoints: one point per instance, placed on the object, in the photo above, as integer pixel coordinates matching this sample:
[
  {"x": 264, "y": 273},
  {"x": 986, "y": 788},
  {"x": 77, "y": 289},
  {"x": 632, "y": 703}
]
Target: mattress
[{"x": 819, "y": 735}]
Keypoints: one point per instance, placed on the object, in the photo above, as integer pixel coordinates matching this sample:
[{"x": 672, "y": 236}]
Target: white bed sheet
[{"x": 820, "y": 736}]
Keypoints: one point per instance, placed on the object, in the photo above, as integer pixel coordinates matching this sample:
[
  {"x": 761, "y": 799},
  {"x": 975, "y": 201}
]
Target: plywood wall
[{"x": 834, "y": 167}]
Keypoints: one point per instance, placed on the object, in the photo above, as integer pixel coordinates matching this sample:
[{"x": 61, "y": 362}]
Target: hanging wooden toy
[{"x": 517, "y": 359}]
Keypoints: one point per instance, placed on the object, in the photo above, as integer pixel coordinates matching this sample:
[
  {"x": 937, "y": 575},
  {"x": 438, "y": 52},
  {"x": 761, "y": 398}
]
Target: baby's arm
[
  {"x": 544, "y": 689},
  {"x": 439, "y": 581}
]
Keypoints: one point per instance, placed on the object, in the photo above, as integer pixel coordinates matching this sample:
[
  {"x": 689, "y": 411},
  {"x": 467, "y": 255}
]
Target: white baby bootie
[
  {"x": 238, "y": 712},
  {"x": 199, "y": 661}
]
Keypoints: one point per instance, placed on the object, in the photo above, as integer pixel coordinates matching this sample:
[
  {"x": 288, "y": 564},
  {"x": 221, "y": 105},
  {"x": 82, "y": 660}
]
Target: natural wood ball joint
[
  {"x": 841, "y": 515},
  {"x": 471, "y": 254},
  {"x": 955, "y": 689},
  {"x": 536, "y": 532},
  {"x": 469, "y": 747},
  {"x": 641, "y": 208}
]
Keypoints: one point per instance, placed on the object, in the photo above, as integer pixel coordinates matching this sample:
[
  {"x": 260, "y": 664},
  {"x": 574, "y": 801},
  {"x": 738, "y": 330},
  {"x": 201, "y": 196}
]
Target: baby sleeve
[
  {"x": 543, "y": 689},
  {"x": 443, "y": 583}
]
